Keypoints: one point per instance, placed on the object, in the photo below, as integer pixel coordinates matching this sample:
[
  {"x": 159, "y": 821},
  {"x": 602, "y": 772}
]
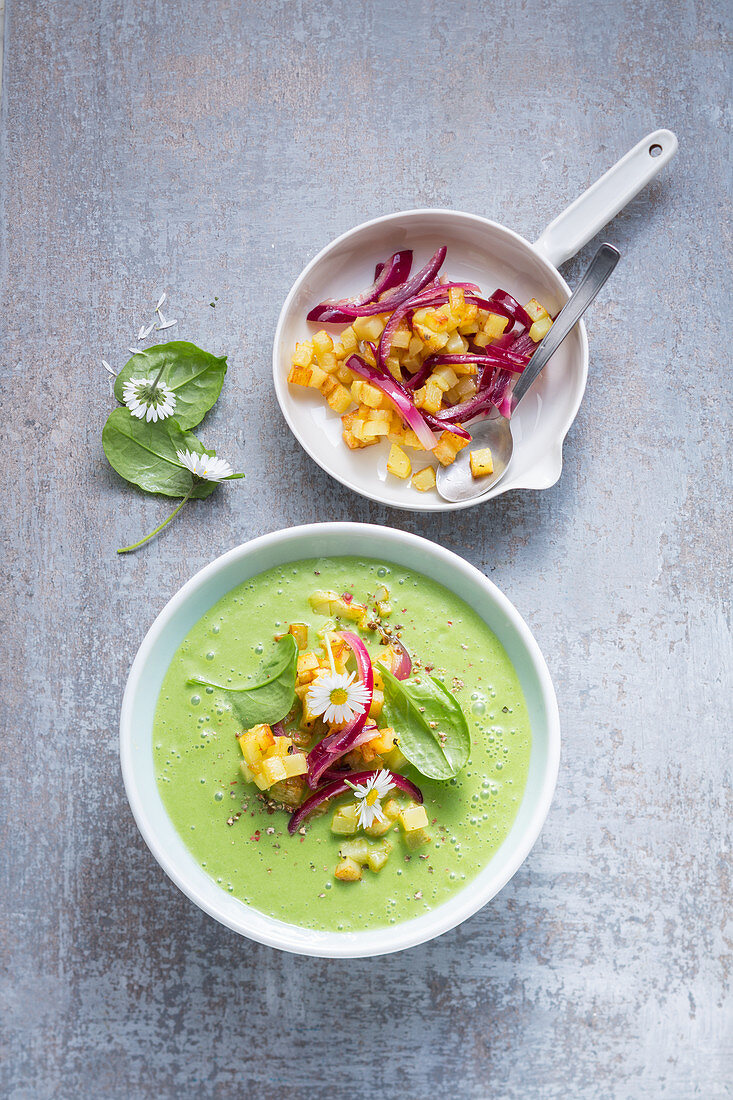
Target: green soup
[{"x": 245, "y": 846}]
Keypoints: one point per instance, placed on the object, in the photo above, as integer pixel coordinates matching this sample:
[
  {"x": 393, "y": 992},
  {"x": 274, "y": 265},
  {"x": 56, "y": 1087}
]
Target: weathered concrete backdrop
[{"x": 212, "y": 149}]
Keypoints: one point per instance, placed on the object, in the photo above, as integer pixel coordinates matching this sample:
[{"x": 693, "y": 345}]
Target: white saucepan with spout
[{"x": 488, "y": 254}]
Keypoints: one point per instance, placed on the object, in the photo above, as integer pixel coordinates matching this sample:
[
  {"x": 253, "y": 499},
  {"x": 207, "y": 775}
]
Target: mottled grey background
[{"x": 212, "y": 149}]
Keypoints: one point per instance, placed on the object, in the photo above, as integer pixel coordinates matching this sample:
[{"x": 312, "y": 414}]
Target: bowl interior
[
  {"x": 479, "y": 251},
  {"x": 213, "y": 582}
]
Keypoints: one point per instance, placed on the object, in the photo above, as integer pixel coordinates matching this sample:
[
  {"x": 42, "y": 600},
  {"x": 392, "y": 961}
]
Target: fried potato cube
[
  {"x": 466, "y": 388},
  {"x": 273, "y": 770},
  {"x": 398, "y": 462},
  {"x": 540, "y": 329},
  {"x": 429, "y": 397},
  {"x": 481, "y": 462},
  {"x": 424, "y": 479},
  {"x": 494, "y": 325},
  {"x": 282, "y": 747},
  {"x": 378, "y": 853},
  {"x": 251, "y": 751},
  {"x": 393, "y": 366},
  {"x": 339, "y": 399},
  {"x": 413, "y": 817},
  {"x": 385, "y": 740},
  {"x": 444, "y": 377},
  {"x": 300, "y": 376},
  {"x": 481, "y": 340},
  {"x": 343, "y": 822},
  {"x": 348, "y": 870},
  {"x": 456, "y": 299},
  {"x": 415, "y": 838},
  {"x": 456, "y": 344},
  {"x": 328, "y": 362},
  {"x": 364, "y": 393},
  {"x": 535, "y": 309},
  {"x": 339, "y": 350},
  {"x": 349, "y": 341},
  {"x": 308, "y": 665},
  {"x": 448, "y": 447},
  {"x": 391, "y": 809},
  {"x": 374, "y": 429},
  {"x": 300, "y": 633},
  {"x": 295, "y": 764},
  {"x": 377, "y": 703},
  {"x": 411, "y": 440},
  {"x": 329, "y": 385},
  {"x": 402, "y": 336},
  {"x": 303, "y": 355},
  {"x": 369, "y": 328},
  {"x": 322, "y": 343}
]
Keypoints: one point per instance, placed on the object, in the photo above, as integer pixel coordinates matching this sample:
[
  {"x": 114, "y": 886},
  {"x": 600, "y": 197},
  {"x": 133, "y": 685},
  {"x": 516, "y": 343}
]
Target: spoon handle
[{"x": 598, "y": 271}]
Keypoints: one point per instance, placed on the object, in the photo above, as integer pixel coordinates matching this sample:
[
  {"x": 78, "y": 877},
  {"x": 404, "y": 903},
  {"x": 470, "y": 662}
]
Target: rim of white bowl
[
  {"x": 383, "y": 940},
  {"x": 433, "y": 505}
]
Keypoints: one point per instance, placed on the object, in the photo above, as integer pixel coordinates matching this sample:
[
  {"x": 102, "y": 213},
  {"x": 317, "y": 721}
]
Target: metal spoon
[{"x": 456, "y": 482}]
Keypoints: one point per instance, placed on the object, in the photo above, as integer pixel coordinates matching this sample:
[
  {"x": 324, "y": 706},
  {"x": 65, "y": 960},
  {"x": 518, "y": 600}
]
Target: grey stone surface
[{"x": 212, "y": 150}]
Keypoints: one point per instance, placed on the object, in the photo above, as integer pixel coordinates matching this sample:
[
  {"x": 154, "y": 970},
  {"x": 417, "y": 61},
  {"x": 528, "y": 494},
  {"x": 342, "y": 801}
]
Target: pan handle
[{"x": 585, "y": 217}]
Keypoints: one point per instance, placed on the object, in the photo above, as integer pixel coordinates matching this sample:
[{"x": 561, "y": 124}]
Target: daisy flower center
[
  {"x": 372, "y": 797},
  {"x": 339, "y": 696}
]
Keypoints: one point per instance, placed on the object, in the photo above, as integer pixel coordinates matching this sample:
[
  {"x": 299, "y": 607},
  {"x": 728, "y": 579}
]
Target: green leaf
[
  {"x": 272, "y": 697},
  {"x": 432, "y": 728},
  {"x": 145, "y": 454},
  {"x": 194, "y": 376}
]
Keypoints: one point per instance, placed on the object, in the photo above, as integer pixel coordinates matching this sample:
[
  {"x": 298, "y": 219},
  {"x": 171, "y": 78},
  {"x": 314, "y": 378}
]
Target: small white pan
[{"x": 479, "y": 251}]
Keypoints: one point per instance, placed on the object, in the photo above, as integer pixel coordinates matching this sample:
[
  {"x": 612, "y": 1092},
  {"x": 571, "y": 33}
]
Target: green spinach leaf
[
  {"x": 145, "y": 454},
  {"x": 194, "y": 376},
  {"x": 272, "y": 697},
  {"x": 432, "y": 728}
]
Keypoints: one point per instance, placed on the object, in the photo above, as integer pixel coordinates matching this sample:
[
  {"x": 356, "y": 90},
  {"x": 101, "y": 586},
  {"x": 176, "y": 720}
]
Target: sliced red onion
[
  {"x": 341, "y": 786},
  {"x": 452, "y": 418},
  {"x": 397, "y": 296},
  {"x": 278, "y": 730},
  {"x": 501, "y": 302},
  {"x": 404, "y": 665},
  {"x": 456, "y": 429},
  {"x": 386, "y": 276},
  {"x": 399, "y": 398}
]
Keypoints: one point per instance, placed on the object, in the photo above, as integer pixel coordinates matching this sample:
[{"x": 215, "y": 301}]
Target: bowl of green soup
[{"x": 339, "y": 740}]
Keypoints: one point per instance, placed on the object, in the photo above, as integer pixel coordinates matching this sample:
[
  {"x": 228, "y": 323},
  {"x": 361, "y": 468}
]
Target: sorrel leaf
[
  {"x": 194, "y": 376},
  {"x": 432, "y": 728},
  {"x": 145, "y": 454},
  {"x": 272, "y": 697}
]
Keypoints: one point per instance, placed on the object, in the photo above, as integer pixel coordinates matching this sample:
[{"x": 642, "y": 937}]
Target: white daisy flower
[
  {"x": 369, "y": 795},
  {"x": 148, "y": 402},
  {"x": 337, "y": 696},
  {"x": 207, "y": 467}
]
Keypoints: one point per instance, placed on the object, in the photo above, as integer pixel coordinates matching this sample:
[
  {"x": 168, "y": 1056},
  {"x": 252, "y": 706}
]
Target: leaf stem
[
  {"x": 135, "y": 545},
  {"x": 154, "y": 386}
]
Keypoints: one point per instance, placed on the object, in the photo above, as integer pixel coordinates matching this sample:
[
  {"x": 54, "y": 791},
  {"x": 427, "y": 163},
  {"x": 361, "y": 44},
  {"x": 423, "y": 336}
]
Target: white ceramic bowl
[
  {"x": 479, "y": 251},
  {"x": 204, "y": 590}
]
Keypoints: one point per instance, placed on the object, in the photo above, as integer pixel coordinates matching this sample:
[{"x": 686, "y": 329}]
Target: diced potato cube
[
  {"x": 344, "y": 375},
  {"x": 295, "y": 764},
  {"x": 282, "y": 746},
  {"x": 344, "y": 820},
  {"x": 273, "y": 770},
  {"x": 456, "y": 299},
  {"x": 444, "y": 377},
  {"x": 416, "y": 838},
  {"x": 328, "y": 362},
  {"x": 377, "y": 703},
  {"x": 355, "y": 849},
  {"x": 466, "y": 388},
  {"x": 339, "y": 399},
  {"x": 391, "y": 809},
  {"x": 318, "y": 377},
  {"x": 375, "y": 429},
  {"x": 411, "y": 440},
  {"x": 540, "y": 329},
  {"x": 251, "y": 750},
  {"x": 456, "y": 344},
  {"x": 429, "y": 397},
  {"x": 322, "y": 343},
  {"x": 261, "y": 780},
  {"x": 481, "y": 340},
  {"x": 424, "y": 479},
  {"x": 535, "y": 309},
  {"x": 300, "y": 633},
  {"x": 398, "y": 463},
  {"x": 308, "y": 665},
  {"x": 494, "y": 325},
  {"x": 368, "y": 328},
  {"x": 413, "y": 817},
  {"x": 385, "y": 740},
  {"x": 329, "y": 385},
  {"x": 448, "y": 447},
  {"x": 364, "y": 393},
  {"x": 393, "y": 366},
  {"x": 350, "y": 439},
  {"x": 349, "y": 340},
  {"x": 378, "y": 855},
  {"x": 303, "y": 355},
  {"x": 481, "y": 462},
  {"x": 339, "y": 350},
  {"x": 288, "y": 791},
  {"x": 368, "y": 355},
  {"x": 300, "y": 376},
  {"x": 246, "y": 772},
  {"x": 402, "y": 336},
  {"x": 379, "y": 828},
  {"x": 348, "y": 871}
]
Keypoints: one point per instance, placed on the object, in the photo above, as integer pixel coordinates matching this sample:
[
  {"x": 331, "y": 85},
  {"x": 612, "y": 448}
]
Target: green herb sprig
[
  {"x": 272, "y": 697},
  {"x": 434, "y": 734},
  {"x": 163, "y": 456}
]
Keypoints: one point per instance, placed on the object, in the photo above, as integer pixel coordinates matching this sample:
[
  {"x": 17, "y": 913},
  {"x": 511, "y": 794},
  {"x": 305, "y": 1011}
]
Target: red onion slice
[
  {"x": 386, "y": 276},
  {"x": 399, "y": 398},
  {"x": 395, "y": 297}
]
